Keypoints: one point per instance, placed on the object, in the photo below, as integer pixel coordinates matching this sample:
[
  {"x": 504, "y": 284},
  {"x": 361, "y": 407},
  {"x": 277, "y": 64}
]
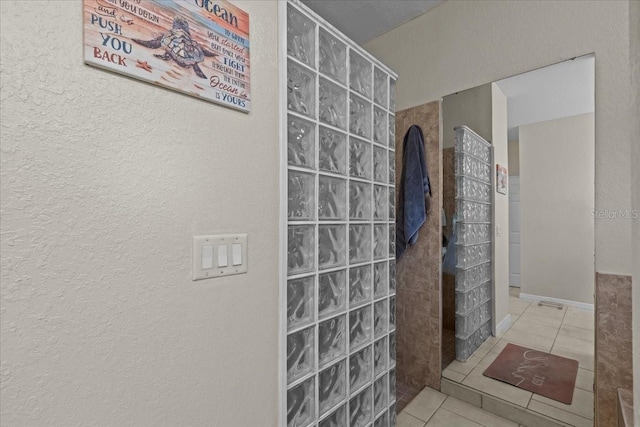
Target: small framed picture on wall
[{"x": 501, "y": 179}]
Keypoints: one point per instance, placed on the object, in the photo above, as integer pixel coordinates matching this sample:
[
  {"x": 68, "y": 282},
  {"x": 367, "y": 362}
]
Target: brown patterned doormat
[{"x": 541, "y": 373}]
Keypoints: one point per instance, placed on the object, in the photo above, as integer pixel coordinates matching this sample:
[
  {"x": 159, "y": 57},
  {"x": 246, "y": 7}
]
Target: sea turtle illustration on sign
[{"x": 179, "y": 46}]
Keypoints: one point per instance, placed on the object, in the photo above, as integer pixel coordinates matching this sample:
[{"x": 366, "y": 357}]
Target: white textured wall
[
  {"x": 499, "y": 140},
  {"x": 556, "y": 201},
  {"x": 514, "y": 158},
  {"x": 463, "y": 44},
  {"x": 471, "y": 108},
  {"x": 104, "y": 182},
  {"x": 634, "y": 50}
]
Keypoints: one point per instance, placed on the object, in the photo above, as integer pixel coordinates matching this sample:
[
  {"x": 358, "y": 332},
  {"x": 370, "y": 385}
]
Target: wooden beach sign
[{"x": 197, "y": 47}]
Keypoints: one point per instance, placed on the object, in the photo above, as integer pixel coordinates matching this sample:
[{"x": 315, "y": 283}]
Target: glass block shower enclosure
[
  {"x": 340, "y": 244},
  {"x": 473, "y": 246}
]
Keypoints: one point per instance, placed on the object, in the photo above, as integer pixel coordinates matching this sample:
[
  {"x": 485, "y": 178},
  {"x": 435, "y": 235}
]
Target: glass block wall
[
  {"x": 473, "y": 160},
  {"x": 340, "y": 288}
]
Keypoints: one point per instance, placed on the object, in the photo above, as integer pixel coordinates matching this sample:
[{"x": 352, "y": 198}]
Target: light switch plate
[{"x": 218, "y": 241}]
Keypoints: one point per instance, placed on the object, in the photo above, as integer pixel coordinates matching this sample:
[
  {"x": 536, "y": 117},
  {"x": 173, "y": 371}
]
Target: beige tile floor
[
  {"x": 434, "y": 409},
  {"x": 567, "y": 332}
]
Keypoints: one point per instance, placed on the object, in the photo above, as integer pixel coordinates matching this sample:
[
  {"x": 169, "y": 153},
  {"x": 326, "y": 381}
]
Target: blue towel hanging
[{"x": 413, "y": 206}]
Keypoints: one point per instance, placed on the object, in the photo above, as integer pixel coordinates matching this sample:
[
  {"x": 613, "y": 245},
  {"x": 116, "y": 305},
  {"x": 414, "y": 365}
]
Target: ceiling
[
  {"x": 561, "y": 90},
  {"x": 364, "y": 20}
]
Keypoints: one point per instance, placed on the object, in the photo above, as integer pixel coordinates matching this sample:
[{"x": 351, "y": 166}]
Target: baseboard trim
[
  {"x": 581, "y": 305},
  {"x": 503, "y": 326}
]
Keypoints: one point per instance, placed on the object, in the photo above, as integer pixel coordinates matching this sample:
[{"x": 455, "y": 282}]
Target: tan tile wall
[
  {"x": 418, "y": 337},
  {"x": 613, "y": 344}
]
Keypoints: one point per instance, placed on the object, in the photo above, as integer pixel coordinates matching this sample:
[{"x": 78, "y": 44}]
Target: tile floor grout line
[
  {"x": 467, "y": 418},
  {"x": 562, "y": 410},
  {"x": 434, "y": 412},
  {"x": 578, "y": 327},
  {"x": 558, "y": 333},
  {"x": 462, "y": 416},
  {"x": 412, "y": 416},
  {"x": 465, "y": 376},
  {"x": 533, "y": 333},
  {"x": 530, "y": 399}
]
